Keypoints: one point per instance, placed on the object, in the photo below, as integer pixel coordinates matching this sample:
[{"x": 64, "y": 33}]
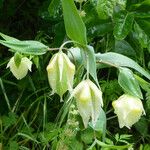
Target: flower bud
[
  {"x": 21, "y": 70},
  {"x": 89, "y": 100},
  {"x": 60, "y": 73},
  {"x": 128, "y": 109}
]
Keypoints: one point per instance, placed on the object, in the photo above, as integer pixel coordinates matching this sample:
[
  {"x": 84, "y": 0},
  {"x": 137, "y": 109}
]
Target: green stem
[
  {"x": 87, "y": 65},
  {"x": 5, "y": 95},
  {"x": 104, "y": 145}
]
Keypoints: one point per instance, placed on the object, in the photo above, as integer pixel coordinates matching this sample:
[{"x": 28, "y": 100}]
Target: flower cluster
[{"x": 88, "y": 96}]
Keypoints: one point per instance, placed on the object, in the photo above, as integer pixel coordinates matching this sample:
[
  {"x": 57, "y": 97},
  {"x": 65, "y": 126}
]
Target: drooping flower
[
  {"x": 129, "y": 110},
  {"x": 89, "y": 101},
  {"x": 60, "y": 73},
  {"x": 21, "y": 70}
]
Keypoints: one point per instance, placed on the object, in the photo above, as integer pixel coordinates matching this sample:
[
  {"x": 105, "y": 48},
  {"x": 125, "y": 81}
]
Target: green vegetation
[{"x": 62, "y": 65}]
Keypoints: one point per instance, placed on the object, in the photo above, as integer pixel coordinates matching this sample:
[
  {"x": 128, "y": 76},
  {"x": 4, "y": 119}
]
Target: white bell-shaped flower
[
  {"x": 128, "y": 109},
  {"x": 60, "y": 73},
  {"x": 89, "y": 100},
  {"x": 20, "y": 71}
]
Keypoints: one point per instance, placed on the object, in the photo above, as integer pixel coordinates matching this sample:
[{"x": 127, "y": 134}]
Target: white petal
[
  {"x": 27, "y": 62},
  {"x": 128, "y": 109},
  {"x": 60, "y": 65}
]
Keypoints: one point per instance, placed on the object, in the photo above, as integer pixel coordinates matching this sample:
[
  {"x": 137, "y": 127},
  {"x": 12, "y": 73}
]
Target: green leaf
[
  {"x": 123, "y": 47},
  {"x": 144, "y": 25},
  {"x": 26, "y": 136},
  {"x": 26, "y": 47},
  {"x": 74, "y": 25},
  {"x": 123, "y": 24},
  {"x": 8, "y": 38},
  {"x": 118, "y": 60},
  {"x": 9, "y": 120},
  {"x": 87, "y": 135},
  {"x": 141, "y": 36},
  {"x": 116, "y": 147},
  {"x": 142, "y": 126},
  {"x": 127, "y": 81},
  {"x": 144, "y": 84},
  {"x": 100, "y": 29},
  {"x": 54, "y": 7},
  {"x": 90, "y": 62},
  {"x": 101, "y": 123},
  {"x": 122, "y": 4},
  {"x": 36, "y": 61},
  {"x": 13, "y": 145},
  {"x": 75, "y": 145},
  {"x": 105, "y": 8},
  {"x": 142, "y": 14}
]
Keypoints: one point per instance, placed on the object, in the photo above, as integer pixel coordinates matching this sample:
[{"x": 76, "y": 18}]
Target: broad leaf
[
  {"x": 123, "y": 24},
  {"x": 26, "y": 47},
  {"x": 54, "y": 8},
  {"x": 105, "y": 8},
  {"x": 123, "y": 47},
  {"x": 129, "y": 84},
  {"x": 74, "y": 25},
  {"x": 118, "y": 60}
]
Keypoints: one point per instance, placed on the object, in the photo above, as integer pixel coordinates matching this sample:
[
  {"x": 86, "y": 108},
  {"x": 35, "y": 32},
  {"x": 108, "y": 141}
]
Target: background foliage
[{"x": 31, "y": 118}]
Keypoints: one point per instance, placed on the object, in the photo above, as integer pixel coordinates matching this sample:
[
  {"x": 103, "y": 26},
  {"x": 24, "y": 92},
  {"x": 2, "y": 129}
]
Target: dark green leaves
[
  {"x": 118, "y": 60},
  {"x": 74, "y": 25},
  {"x": 54, "y": 7},
  {"x": 26, "y": 47},
  {"x": 128, "y": 82},
  {"x": 123, "y": 24},
  {"x": 141, "y": 36}
]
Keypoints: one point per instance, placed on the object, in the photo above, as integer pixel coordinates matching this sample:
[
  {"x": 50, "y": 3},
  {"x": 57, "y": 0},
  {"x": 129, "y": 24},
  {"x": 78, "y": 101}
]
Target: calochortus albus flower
[
  {"x": 21, "y": 70},
  {"x": 89, "y": 101},
  {"x": 128, "y": 109},
  {"x": 60, "y": 73}
]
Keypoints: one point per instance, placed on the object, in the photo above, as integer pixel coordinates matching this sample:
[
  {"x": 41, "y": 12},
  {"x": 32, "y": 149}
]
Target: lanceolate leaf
[
  {"x": 8, "y": 38},
  {"x": 26, "y": 47},
  {"x": 74, "y": 25},
  {"x": 118, "y": 60},
  {"x": 123, "y": 24},
  {"x": 90, "y": 62},
  {"x": 128, "y": 82}
]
